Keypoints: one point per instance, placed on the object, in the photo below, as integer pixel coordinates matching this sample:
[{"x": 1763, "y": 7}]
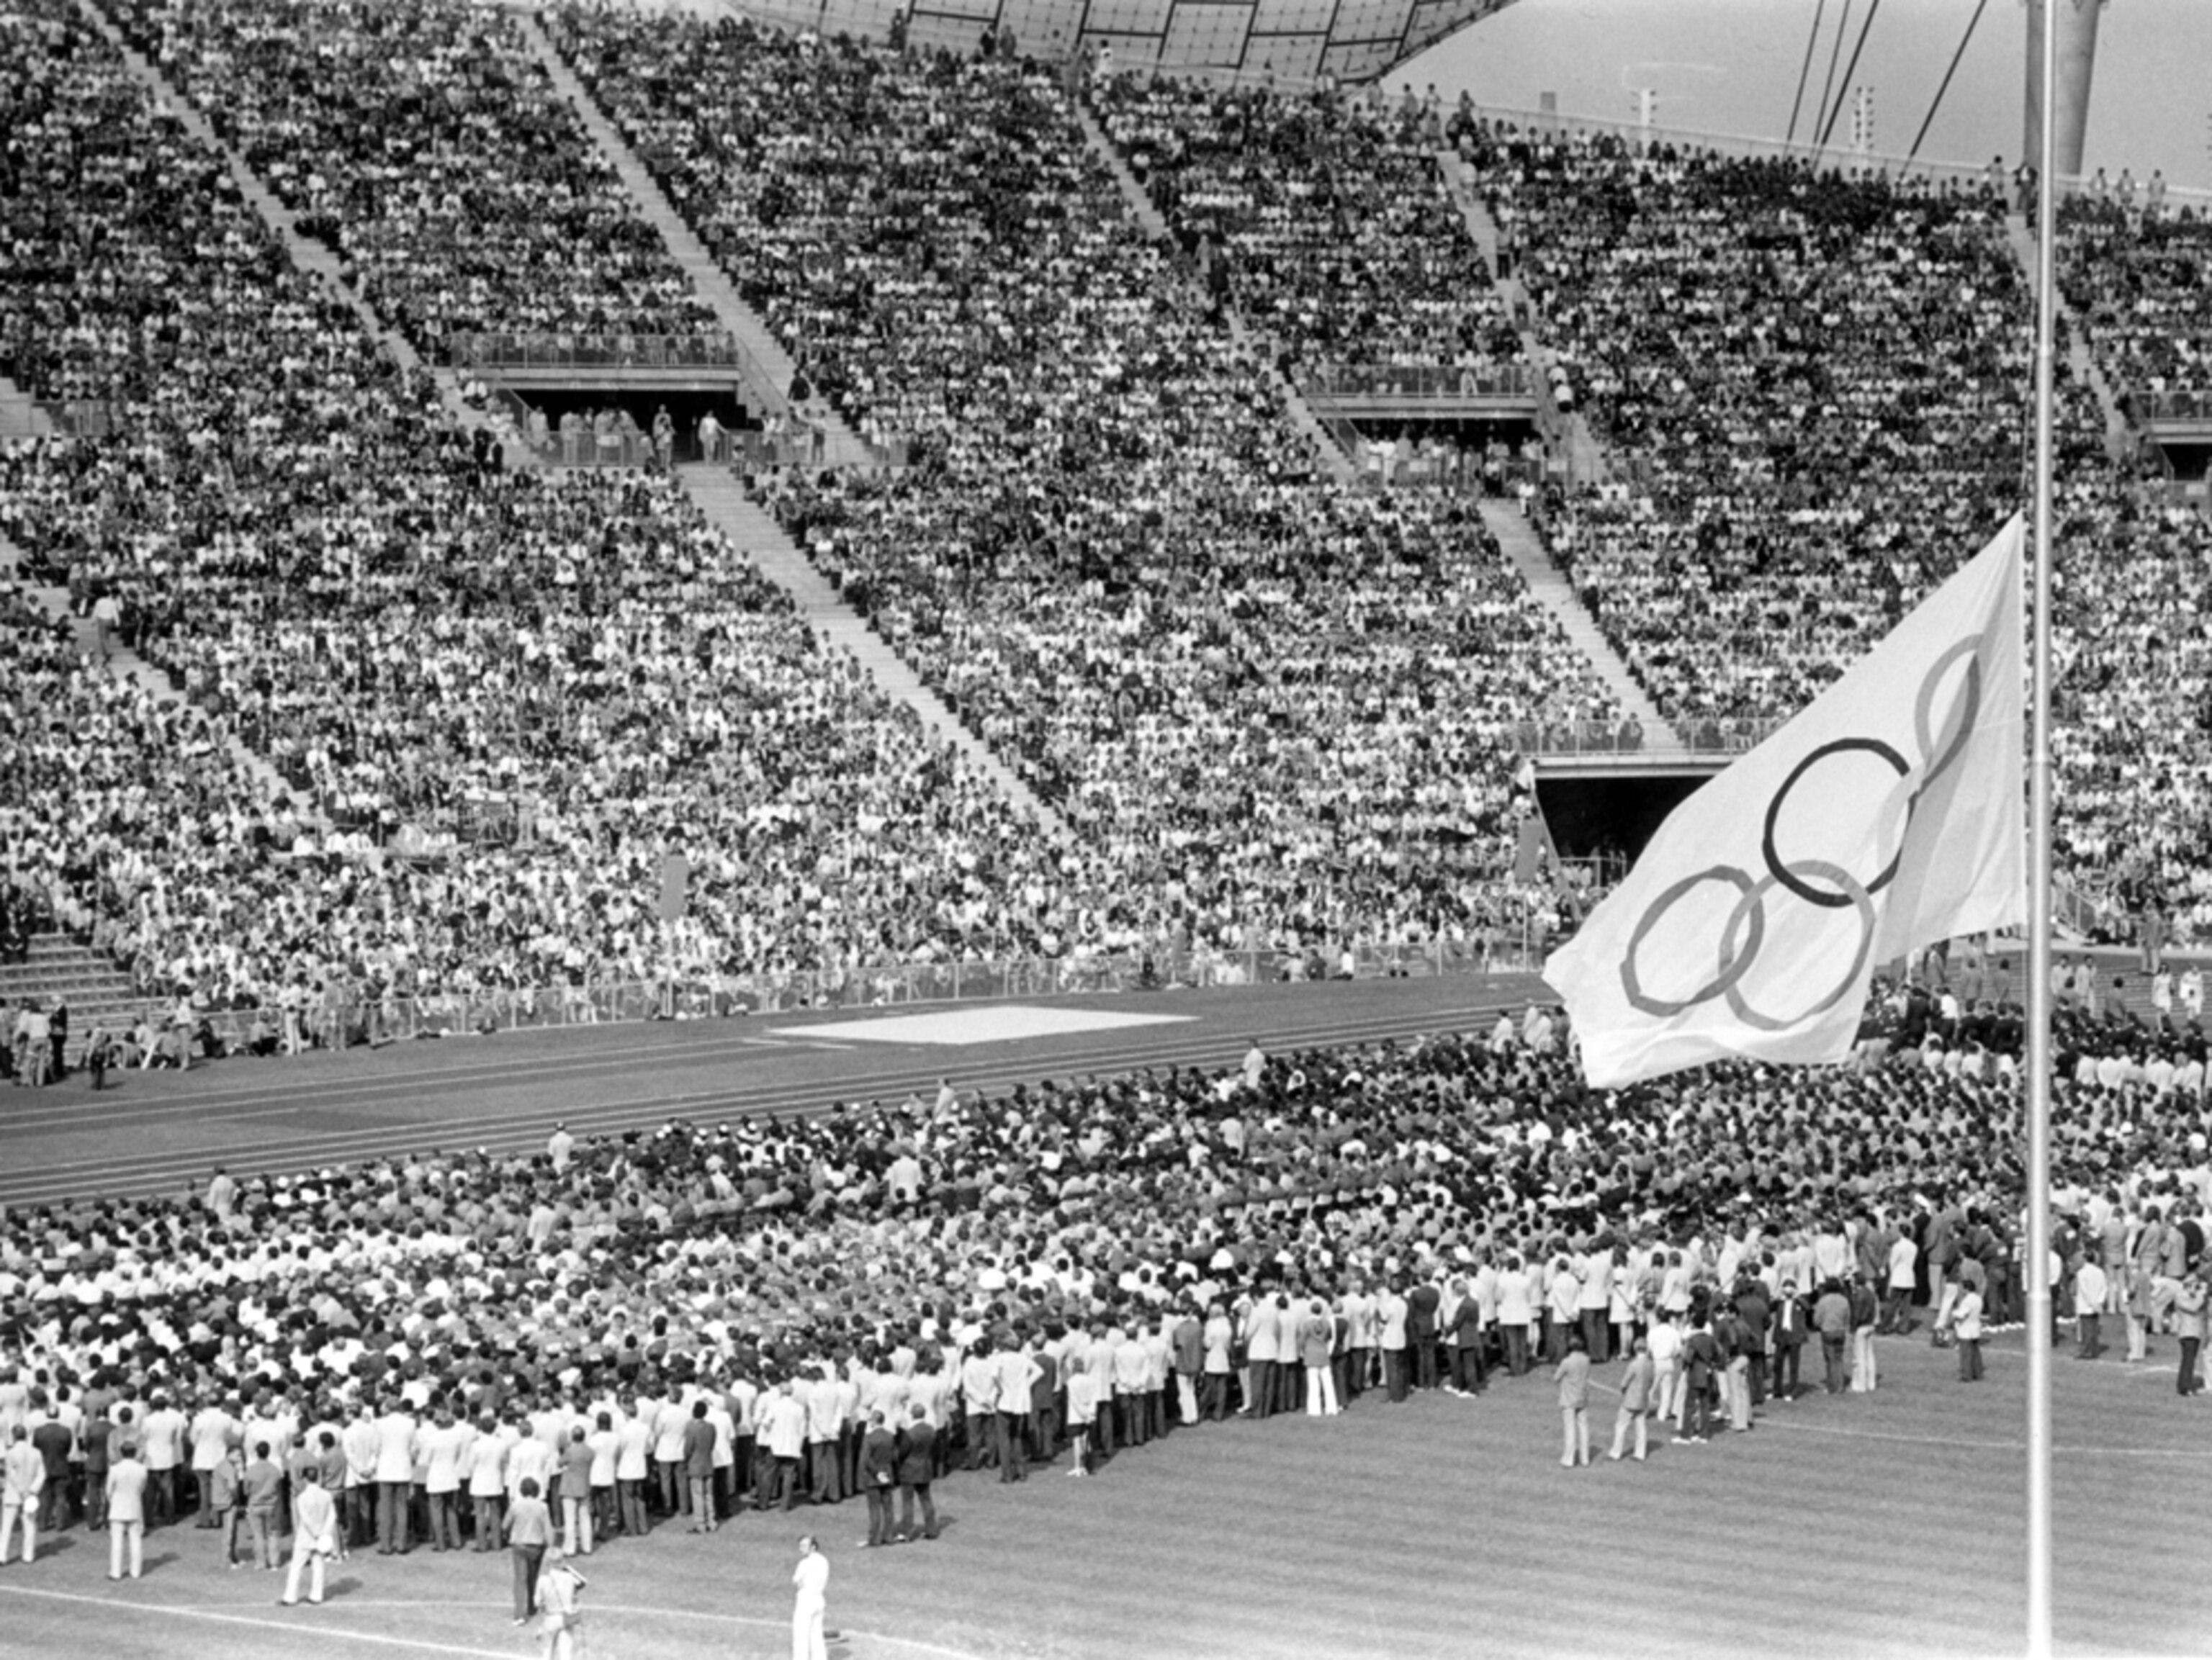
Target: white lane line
[
  {"x": 505, "y": 1131},
  {"x": 313, "y": 1625},
  {"x": 311, "y": 1629}
]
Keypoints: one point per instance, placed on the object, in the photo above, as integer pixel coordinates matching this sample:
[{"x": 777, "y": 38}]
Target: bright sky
[{"x": 1731, "y": 66}]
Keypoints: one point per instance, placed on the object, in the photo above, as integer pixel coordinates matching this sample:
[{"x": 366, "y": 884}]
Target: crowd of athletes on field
[
  {"x": 1275, "y": 710},
  {"x": 668, "y": 1328}
]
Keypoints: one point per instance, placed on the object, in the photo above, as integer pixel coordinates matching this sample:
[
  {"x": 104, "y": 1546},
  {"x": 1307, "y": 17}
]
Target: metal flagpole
[{"x": 2039, "y": 885}]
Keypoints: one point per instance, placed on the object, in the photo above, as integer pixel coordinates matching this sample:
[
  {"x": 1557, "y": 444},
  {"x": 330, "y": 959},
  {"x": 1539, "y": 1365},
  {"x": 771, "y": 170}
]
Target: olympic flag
[{"x": 1889, "y": 814}]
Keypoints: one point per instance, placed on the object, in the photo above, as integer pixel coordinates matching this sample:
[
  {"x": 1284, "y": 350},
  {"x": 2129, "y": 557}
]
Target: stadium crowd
[
  {"x": 1815, "y": 386},
  {"x": 427, "y": 145},
  {"x": 1101, "y": 1263},
  {"x": 1812, "y": 380},
  {"x": 1279, "y": 713},
  {"x": 1217, "y": 667},
  {"x": 1341, "y": 244},
  {"x": 2136, "y": 280}
]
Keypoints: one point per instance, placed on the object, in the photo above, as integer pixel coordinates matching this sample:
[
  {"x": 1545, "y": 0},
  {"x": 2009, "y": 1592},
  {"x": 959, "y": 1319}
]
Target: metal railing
[
  {"x": 707, "y": 349},
  {"x": 355, "y": 1019},
  {"x": 1704, "y": 736},
  {"x": 1432, "y": 381},
  {"x": 2184, "y": 404}
]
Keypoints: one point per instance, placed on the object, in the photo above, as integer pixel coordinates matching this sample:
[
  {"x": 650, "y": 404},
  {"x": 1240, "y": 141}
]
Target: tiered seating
[
  {"x": 2142, "y": 283},
  {"x": 1341, "y": 244},
  {"x": 1816, "y": 382},
  {"x": 410, "y": 635},
  {"x": 424, "y": 141},
  {"x": 1283, "y": 700}
]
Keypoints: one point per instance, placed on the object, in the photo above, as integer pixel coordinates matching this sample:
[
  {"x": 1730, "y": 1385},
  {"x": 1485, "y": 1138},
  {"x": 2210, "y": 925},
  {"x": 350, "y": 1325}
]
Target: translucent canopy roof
[{"x": 1351, "y": 39}]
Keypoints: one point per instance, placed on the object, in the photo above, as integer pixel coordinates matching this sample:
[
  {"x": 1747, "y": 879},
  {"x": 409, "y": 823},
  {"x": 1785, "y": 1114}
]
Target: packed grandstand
[{"x": 429, "y": 721}]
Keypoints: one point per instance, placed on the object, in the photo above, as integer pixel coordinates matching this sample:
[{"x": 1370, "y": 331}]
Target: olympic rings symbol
[{"x": 1817, "y": 881}]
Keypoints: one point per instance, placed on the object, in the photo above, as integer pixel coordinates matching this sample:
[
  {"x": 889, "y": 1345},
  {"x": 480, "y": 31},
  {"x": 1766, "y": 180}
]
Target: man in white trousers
[
  {"x": 22, "y": 1480},
  {"x": 315, "y": 1536},
  {"x": 811, "y": 1606}
]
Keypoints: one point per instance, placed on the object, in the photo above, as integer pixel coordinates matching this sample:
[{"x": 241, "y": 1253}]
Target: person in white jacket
[
  {"x": 22, "y": 1481},
  {"x": 485, "y": 1468},
  {"x": 315, "y": 1536},
  {"x": 395, "y": 1432}
]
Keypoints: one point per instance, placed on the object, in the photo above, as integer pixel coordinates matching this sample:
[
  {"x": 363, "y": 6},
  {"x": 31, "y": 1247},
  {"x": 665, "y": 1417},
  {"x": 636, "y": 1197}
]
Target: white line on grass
[
  {"x": 315, "y": 1630},
  {"x": 321, "y": 1632},
  {"x": 1771, "y": 1422}
]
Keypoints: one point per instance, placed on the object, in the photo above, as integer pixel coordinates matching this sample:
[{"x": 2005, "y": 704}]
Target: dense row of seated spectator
[
  {"x": 2138, "y": 283},
  {"x": 118, "y": 803},
  {"x": 929, "y": 235},
  {"x": 424, "y": 141},
  {"x": 2133, "y": 735},
  {"x": 1330, "y": 210},
  {"x": 1278, "y": 712},
  {"x": 1816, "y": 387},
  {"x": 1815, "y": 381},
  {"x": 410, "y": 633},
  {"x": 1281, "y": 698},
  {"x": 1290, "y": 694}
]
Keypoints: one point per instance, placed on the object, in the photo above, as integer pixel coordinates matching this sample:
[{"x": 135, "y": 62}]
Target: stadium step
[
  {"x": 122, "y": 663},
  {"x": 97, "y": 992},
  {"x": 1332, "y": 451},
  {"x": 309, "y": 255},
  {"x": 19, "y": 413},
  {"x": 1565, "y": 431},
  {"x": 2120, "y": 439},
  {"x": 1140, "y": 203},
  {"x": 845, "y": 447},
  {"x": 1548, "y": 583},
  {"x": 753, "y": 531}
]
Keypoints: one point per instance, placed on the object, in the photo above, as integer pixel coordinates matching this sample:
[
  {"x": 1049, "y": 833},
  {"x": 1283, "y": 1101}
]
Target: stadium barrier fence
[
  {"x": 1440, "y": 381},
  {"x": 891, "y": 985}
]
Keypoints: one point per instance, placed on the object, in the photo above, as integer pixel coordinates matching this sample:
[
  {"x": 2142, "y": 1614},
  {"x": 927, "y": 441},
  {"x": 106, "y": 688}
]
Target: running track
[{"x": 161, "y": 1132}]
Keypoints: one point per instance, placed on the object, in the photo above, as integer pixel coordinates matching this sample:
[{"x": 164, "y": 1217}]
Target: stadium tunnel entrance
[{"x": 686, "y": 407}]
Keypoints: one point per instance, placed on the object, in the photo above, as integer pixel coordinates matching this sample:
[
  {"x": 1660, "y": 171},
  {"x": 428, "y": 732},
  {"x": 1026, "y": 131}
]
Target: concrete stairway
[
  {"x": 19, "y": 413},
  {"x": 845, "y": 446},
  {"x": 122, "y": 663},
  {"x": 58, "y": 968},
  {"x": 1566, "y": 430},
  {"x": 1150, "y": 217},
  {"x": 306, "y": 252},
  {"x": 753, "y": 531},
  {"x": 2120, "y": 440},
  {"x": 1296, "y": 410},
  {"x": 1550, "y": 586},
  {"x": 314, "y": 257}
]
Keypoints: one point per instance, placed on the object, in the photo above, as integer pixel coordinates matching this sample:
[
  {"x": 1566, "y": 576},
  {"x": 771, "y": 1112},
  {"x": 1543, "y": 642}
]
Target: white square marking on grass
[{"x": 978, "y": 1023}]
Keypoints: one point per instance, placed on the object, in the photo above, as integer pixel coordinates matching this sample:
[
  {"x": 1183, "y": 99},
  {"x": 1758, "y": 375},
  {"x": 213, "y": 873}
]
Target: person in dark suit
[
  {"x": 1701, "y": 1363},
  {"x": 915, "y": 1467},
  {"x": 1044, "y": 1403},
  {"x": 1789, "y": 1322},
  {"x": 1422, "y": 1302},
  {"x": 1755, "y": 1315},
  {"x": 53, "y": 1441},
  {"x": 878, "y": 1472}
]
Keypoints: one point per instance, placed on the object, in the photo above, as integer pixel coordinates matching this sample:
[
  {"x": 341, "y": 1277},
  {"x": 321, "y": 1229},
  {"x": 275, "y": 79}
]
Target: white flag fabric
[{"x": 1889, "y": 814}]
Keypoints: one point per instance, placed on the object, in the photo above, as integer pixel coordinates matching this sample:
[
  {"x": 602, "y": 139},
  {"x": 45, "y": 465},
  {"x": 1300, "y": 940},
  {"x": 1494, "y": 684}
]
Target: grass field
[{"x": 1888, "y": 1525}]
